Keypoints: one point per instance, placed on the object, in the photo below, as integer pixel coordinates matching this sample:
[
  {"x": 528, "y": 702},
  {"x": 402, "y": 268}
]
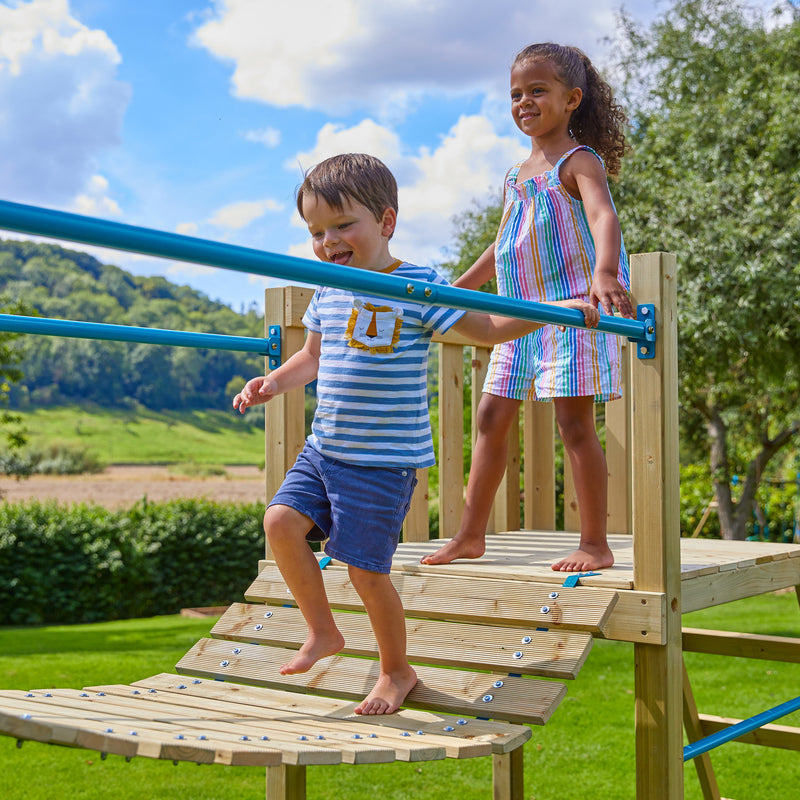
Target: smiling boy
[{"x": 352, "y": 483}]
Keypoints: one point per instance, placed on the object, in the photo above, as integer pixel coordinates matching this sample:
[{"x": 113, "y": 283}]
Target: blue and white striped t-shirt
[{"x": 372, "y": 404}]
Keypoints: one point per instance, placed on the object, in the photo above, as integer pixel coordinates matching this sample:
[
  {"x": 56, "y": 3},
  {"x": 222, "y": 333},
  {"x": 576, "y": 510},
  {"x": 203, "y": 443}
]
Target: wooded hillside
[{"x": 66, "y": 284}]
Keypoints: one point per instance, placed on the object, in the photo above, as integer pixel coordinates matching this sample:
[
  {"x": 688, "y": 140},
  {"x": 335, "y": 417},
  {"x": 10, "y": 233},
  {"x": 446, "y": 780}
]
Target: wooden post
[
  {"x": 415, "y": 526},
  {"x": 480, "y": 368},
  {"x": 287, "y": 782},
  {"x": 618, "y": 434},
  {"x": 508, "y": 775},
  {"x": 451, "y": 438},
  {"x": 694, "y": 732},
  {"x": 538, "y": 430},
  {"x": 656, "y": 534},
  {"x": 506, "y": 501},
  {"x": 284, "y": 417}
]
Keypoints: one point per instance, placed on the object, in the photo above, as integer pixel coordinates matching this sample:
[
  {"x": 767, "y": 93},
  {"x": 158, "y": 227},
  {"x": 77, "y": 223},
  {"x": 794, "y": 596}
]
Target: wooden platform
[{"x": 712, "y": 572}]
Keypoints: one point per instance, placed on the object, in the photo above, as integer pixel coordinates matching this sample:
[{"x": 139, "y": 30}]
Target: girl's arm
[
  {"x": 482, "y": 271},
  {"x": 586, "y": 174},
  {"x": 299, "y": 370},
  {"x": 493, "y": 329}
]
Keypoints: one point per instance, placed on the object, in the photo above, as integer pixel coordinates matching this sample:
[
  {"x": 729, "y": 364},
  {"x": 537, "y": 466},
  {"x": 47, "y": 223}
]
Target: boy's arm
[
  {"x": 482, "y": 271},
  {"x": 493, "y": 329},
  {"x": 299, "y": 370}
]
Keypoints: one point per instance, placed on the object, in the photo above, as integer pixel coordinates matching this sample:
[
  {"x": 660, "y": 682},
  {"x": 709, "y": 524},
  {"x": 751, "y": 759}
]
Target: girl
[{"x": 559, "y": 238}]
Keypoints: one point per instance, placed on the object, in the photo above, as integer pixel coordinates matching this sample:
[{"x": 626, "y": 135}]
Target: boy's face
[{"x": 351, "y": 236}]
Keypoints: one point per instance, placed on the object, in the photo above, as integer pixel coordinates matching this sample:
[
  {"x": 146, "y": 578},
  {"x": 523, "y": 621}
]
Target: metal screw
[
  {"x": 224, "y": 663},
  {"x": 180, "y": 736},
  {"x": 526, "y": 640},
  {"x": 448, "y": 728},
  {"x": 268, "y": 615},
  {"x": 461, "y": 722},
  {"x": 428, "y": 292},
  {"x": 545, "y": 609},
  {"x": 553, "y": 595},
  {"x": 259, "y": 626},
  {"x": 487, "y": 698},
  {"x": 410, "y": 288},
  {"x": 202, "y": 737},
  {"x": 182, "y": 686},
  {"x": 237, "y": 650},
  {"x": 518, "y": 655},
  {"x": 498, "y": 684},
  {"x": 265, "y": 738}
]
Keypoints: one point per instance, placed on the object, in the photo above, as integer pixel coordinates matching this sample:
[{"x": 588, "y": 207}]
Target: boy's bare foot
[
  {"x": 586, "y": 559},
  {"x": 388, "y": 693},
  {"x": 456, "y": 548},
  {"x": 314, "y": 648}
]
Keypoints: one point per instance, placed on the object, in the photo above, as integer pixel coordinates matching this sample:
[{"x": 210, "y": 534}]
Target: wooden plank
[
  {"x": 508, "y": 776},
  {"x": 694, "y": 732},
  {"x": 467, "y": 600},
  {"x": 743, "y": 645},
  {"x": 506, "y": 510},
  {"x": 460, "y": 738},
  {"x": 526, "y": 651},
  {"x": 478, "y": 371},
  {"x": 724, "y": 587},
  {"x": 416, "y": 526},
  {"x": 448, "y": 690},
  {"x": 656, "y": 533},
  {"x": 538, "y": 428},
  {"x": 782, "y": 736},
  {"x": 451, "y": 438}
]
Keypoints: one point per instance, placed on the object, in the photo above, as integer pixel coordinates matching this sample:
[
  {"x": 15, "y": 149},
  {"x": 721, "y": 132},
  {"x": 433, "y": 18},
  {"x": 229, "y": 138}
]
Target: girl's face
[
  {"x": 540, "y": 103},
  {"x": 351, "y": 236}
]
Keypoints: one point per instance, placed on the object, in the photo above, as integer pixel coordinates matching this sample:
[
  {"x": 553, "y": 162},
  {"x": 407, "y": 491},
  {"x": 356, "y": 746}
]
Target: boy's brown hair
[{"x": 356, "y": 177}]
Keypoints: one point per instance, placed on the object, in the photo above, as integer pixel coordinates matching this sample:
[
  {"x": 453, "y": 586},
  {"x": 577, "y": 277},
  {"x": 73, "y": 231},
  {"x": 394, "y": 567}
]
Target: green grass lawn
[
  {"x": 141, "y": 436},
  {"x": 585, "y": 751}
]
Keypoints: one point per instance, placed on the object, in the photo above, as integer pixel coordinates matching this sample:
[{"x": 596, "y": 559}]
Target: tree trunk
[{"x": 733, "y": 516}]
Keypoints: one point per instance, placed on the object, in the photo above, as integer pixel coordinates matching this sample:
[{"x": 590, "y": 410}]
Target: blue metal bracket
[
  {"x": 274, "y": 346},
  {"x": 646, "y": 348}
]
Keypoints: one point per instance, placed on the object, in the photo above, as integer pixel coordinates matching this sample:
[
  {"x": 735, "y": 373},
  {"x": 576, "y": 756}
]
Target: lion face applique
[{"x": 374, "y": 328}]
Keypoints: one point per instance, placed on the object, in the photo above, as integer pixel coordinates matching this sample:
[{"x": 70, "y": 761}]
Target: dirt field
[{"x": 121, "y": 487}]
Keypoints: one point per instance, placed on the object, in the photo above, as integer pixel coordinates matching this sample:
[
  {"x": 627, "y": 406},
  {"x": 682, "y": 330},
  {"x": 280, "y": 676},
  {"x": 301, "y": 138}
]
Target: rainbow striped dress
[{"x": 544, "y": 251}]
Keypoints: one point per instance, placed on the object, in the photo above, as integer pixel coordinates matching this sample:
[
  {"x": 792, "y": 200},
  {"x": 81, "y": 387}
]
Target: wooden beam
[
  {"x": 508, "y": 778},
  {"x": 744, "y": 645},
  {"x": 286, "y": 782},
  {"x": 451, "y": 439},
  {"x": 538, "y": 426},
  {"x": 694, "y": 732},
  {"x": 656, "y": 533}
]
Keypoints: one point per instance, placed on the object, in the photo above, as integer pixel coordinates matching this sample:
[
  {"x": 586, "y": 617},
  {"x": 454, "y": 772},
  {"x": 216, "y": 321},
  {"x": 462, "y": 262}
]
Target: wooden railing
[{"x": 532, "y": 440}]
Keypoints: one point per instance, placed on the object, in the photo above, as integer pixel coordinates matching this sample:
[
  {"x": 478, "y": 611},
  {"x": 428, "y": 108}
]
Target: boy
[{"x": 353, "y": 481}]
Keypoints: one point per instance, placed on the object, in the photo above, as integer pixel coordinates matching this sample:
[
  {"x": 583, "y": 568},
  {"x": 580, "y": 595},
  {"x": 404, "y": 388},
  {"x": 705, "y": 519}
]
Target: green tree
[
  {"x": 11, "y": 428},
  {"x": 714, "y": 176}
]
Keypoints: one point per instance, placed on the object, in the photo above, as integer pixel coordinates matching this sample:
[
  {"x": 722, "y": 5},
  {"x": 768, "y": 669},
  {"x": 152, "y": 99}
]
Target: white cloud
[
  {"x": 362, "y": 54},
  {"x": 60, "y": 103},
  {"x": 95, "y": 202},
  {"x": 238, "y": 215},
  {"x": 269, "y": 137},
  {"x": 366, "y": 137},
  {"x": 468, "y": 165}
]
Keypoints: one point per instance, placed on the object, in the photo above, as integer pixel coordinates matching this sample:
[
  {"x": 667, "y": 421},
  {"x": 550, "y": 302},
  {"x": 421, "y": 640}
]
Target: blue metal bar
[
  {"x": 739, "y": 729},
  {"x": 116, "y": 235},
  {"x": 128, "y": 333}
]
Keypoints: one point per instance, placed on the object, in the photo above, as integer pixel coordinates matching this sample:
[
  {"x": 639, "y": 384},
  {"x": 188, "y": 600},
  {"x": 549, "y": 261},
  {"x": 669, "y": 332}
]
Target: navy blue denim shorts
[{"x": 359, "y": 510}]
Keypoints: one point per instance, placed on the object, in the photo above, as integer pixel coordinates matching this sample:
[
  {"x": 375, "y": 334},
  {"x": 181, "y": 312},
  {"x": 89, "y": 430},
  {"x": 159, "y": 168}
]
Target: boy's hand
[
  {"x": 256, "y": 391},
  {"x": 607, "y": 292},
  {"x": 591, "y": 316}
]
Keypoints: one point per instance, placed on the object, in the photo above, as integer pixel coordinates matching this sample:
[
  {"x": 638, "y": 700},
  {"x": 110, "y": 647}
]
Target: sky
[{"x": 201, "y": 116}]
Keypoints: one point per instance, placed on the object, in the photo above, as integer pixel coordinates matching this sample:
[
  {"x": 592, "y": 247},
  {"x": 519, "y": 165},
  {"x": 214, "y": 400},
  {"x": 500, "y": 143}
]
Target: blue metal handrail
[
  {"x": 129, "y": 333},
  {"x": 119, "y": 236}
]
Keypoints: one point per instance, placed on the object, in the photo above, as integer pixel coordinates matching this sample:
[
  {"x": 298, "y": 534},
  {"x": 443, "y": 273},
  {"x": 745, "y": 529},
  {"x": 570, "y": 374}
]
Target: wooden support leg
[
  {"x": 508, "y": 775},
  {"x": 286, "y": 782},
  {"x": 694, "y": 731}
]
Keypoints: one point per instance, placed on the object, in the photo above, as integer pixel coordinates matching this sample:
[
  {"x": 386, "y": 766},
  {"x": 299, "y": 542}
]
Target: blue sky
[{"x": 199, "y": 116}]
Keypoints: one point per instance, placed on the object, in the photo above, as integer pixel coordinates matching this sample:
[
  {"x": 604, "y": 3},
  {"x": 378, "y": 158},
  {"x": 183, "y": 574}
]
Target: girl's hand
[
  {"x": 607, "y": 292},
  {"x": 591, "y": 316},
  {"x": 256, "y": 391}
]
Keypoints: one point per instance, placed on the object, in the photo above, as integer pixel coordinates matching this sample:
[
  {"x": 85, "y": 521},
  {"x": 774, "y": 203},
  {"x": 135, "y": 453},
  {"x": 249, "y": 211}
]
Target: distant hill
[{"x": 67, "y": 284}]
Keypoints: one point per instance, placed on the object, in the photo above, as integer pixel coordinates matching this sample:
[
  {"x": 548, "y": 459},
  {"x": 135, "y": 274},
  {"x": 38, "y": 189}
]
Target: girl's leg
[
  {"x": 494, "y": 418},
  {"x": 286, "y": 531},
  {"x": 386, "y": 616},
  {"x": 575, "y": 418}
]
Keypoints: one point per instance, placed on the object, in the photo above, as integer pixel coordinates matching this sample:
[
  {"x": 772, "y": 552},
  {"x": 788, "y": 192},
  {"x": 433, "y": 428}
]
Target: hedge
[{"x": 85, "y": 563}]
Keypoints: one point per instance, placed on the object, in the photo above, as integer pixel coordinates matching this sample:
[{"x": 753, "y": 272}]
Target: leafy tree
[{"x": 714, "y": 176}]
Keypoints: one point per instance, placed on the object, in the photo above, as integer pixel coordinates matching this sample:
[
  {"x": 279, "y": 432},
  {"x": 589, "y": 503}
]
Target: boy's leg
[
  {"x": 385, "y": 610},
  {"x": 575, "y": 418},
  {"x": 494, "y": 418},
  {"x": 286, "y": 530}
]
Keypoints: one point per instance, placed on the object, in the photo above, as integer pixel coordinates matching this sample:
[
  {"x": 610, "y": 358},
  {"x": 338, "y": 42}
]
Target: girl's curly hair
[{"x": 599, "y": 121}]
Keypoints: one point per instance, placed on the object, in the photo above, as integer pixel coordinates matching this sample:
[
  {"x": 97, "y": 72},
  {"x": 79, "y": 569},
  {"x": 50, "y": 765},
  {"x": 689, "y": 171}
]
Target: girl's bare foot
[
  {"x": 314, "y": 648},
  {"x": 388, "y": 693},
  {"x": 473, "y": 547},
  {"x": 586, "y": 559}
]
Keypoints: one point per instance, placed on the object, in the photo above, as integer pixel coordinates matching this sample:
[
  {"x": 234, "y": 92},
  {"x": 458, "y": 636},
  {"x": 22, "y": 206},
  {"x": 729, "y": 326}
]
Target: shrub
[{"x": 85, "y": 563}]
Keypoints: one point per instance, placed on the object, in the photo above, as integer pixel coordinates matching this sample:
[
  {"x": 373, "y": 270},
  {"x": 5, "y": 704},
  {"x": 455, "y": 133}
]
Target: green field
[
  {"x": 585, "y": 751},
  {"x": 141, "y": 436}
]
